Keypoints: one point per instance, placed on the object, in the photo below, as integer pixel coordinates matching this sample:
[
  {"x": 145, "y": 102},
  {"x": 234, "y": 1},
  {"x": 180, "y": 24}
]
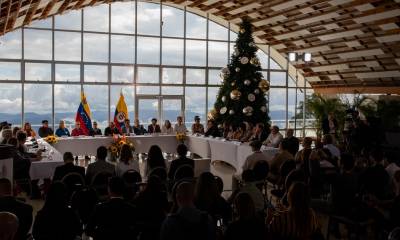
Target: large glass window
[{"x": 94, "y": 49}]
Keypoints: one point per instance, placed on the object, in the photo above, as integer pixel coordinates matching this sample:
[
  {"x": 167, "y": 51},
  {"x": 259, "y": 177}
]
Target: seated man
[
  {"x": 327, "y": 140},
  {"x": 114, "y": 219},
  {"x": 259, "y": 133},
  {"x": 180, "y": 125},
  {"x": 68, "y": 167},
  {"x": 8, "y": 203},
  {"x": 154, "y": 127},
  {"x": 21, "y": 163},
  {"x": 212, "y": 129},
  {"x": 128, "y": 129},
  {"x": 274, "y": 138},
  {"x": 197, "y": 127},
  {"x": 180, "y": 161},
  {"x": 95, "y": 130},
  {"x": 100, "y": 165},
  {"x": 255, "y": 157},
  {"x": 137, "y": 128},
  {"x": 293, "y": 142},
  {"x": 45, "y": 130},
  {"x": 188, "y": 222},
  {"x": 282, "y": 156},
  {"x": 78, "y": 131},
  {"x": 111, "y": 129}
]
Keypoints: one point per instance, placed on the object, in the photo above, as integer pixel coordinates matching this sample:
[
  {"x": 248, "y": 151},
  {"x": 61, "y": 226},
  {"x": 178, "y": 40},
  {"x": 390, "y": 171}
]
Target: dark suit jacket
[
  {"x": 44, "y": 132},
  {"x": 177, "y": 163},
  {"x": 22, "y": 210},
  {"x": 109, "y": 132},
  {"x": 151, "y": 129},
  {"x": 63, "y": 170},
  {"x": 294, "y": 144},
  {"x": 139, "y": 130},
  {"x": 114, "y": 219},
  {"x": 97, "y": 167},
  {"x": 213, "y": 131}
]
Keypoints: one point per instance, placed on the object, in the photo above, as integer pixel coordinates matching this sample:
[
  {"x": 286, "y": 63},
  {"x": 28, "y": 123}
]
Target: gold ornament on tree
[
  {"x": 242, "y": 30},
  {"x": 264, "y": 85},
  {"x": 235, "y": 94},
  {"x": 212, "y": 114},
  {"x": 255, "y": 61},
  {"x": 223, "y": 110}
]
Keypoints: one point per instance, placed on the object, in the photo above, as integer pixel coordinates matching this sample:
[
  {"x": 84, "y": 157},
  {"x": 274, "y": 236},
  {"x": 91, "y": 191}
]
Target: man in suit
[
  {"x": 111, "y": 129},
  {"x": 45, "y": 130},
  {"x": 100, "y": 165},
  {"x": 260, "y": 133},
  {"x": 68, "y": 167},
  {"x": 180, "y": 161},
  {"x": 114, "y": 219},
  {"x": 23, "y": 211},
  {"x": 293, "y": 142},
  {"x": 154, "y": 127}
]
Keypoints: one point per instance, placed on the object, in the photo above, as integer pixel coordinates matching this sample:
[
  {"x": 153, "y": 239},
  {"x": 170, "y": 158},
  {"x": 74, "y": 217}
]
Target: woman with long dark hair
[
  {"x": 155, "y": 159},
  {"x": 56, "y": 220},
  {"x": 299, "y": 220}
]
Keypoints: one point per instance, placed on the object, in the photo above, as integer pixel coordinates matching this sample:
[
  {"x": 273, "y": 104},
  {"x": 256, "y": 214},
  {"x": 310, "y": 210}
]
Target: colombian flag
[
  {"x": 121, "y": 113},
  {"x": 83, "y": 115}
]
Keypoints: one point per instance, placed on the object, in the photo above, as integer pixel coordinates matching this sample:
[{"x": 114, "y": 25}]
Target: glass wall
[{"x": 136, "y": 47}]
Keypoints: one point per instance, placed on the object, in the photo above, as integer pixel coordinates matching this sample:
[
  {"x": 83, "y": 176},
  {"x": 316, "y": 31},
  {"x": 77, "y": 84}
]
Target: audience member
[
  {"x": 247, "y": 224},
  {"x": 62, "y": 130},
  {"x": 259, "y": 133},
  {"x": 293, "y": 142},
  {"x": 100, "y": 165},
  {"x": 56, "y": 220},
  {"x": 154, "y": 127},
  {"x": 21, "y": 163},
  {"x": 303, "y": 155},
  {"x": 78, "y": 131},
  {"x": 155, "y": 159},
  {"x": 128, "y": 129},
  {"x": 180, "y": 161},
  {"x": 45, "y": 130},
  {"x": 283, "y": 155},
  {"x": 95, "y": 131},
  {"x": 137, "y": 128},
  {"x": 255, "y": 157},
  {"x": 299, "y": 221},
  {"x": 375, "y": 180},
  {"x": 188, "y": 222},
  {"x": 114, "y": 219},
  {"x": 152, "y": 206},
  {"x": 9, "y": 225},
  {"x": 249, "y": 187},
  {"x": 212, "y": 129},
  {"x": 15, "y": 130},
  {"x": 197, "y": 127},
  {"x": 207, "y": 198},
  {"x": 22, "y": 148},
  {"x": 327, "y": 140},
  {"x": 68, "y": 167},
  {"x": 111, "y": 129},
  {"x": 392, "y": 166},
  {"x": 167, "y": 128},
  {"x": 126, "y": 161},
  {"x": 274, "y": 138},
  {"x": 180, "y": 126},
  {"x": 6, "y": 134},
  {"x": 8, "y": 203},
  {"x": 29, "y": 131}
]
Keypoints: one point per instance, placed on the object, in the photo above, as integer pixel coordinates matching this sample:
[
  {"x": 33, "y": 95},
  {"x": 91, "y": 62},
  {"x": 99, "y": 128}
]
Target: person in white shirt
[
  {"x": 167, "y": 128},
  {"x": 274, "y": 138},
  {"x": 126, "y": 161},
  {"x": 327, "y": 141},
  {"x": 180, "y": 126},
  {"x": 255, "y": 157}
]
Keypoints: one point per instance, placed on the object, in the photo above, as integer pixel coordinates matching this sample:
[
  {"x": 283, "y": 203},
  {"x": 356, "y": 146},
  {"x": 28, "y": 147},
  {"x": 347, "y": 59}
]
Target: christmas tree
[{"x": 241, "y": 97}]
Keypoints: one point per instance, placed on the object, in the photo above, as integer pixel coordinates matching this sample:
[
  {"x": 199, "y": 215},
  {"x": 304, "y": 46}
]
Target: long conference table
[{"x": 232, "y": 153}]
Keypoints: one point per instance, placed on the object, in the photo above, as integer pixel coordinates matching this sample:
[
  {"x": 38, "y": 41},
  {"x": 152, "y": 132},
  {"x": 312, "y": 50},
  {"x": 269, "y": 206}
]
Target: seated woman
[
  {"x": 247, "y": 225},
  {"x": 155, "y": 159},
  {"x": 197, "y": 127},
  {"x": 212, "y": 129},
  {"x": 299, "y": 221},
  {"x": 167, "y": 128},
  {"x": 235, "y": 133},
  {"x": 62, "y": 130},
  {"x": 29, "y": 131},
  {"x": 126, "y": 161}
]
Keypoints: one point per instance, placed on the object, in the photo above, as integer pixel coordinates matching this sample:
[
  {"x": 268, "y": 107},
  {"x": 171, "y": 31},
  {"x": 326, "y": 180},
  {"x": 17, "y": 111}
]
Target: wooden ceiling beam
[
  {"x": 356, "y": 89},
  {"x": 31, "y": 12},
  {"x": 47, "y": 9},
  {"x": 64, "y": 6},
  {"x": 7, "y": 17}
]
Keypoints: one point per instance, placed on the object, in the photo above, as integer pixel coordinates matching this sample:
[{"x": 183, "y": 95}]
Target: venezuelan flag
[
  {"x": 121, "y": 113},
  {"x": 83, "y": 115}
]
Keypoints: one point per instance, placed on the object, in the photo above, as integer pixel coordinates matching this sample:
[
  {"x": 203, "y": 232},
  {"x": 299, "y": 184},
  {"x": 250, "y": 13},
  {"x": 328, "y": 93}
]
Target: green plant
[{"x": 320, "y": 107}]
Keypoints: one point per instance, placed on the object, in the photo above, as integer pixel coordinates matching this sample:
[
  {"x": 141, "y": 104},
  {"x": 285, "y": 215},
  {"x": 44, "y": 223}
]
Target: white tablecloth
[
  {"x": 45, "y": 168},
  {"x": 89, "y": 145},
  {"x": 199, "y": 146}
]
